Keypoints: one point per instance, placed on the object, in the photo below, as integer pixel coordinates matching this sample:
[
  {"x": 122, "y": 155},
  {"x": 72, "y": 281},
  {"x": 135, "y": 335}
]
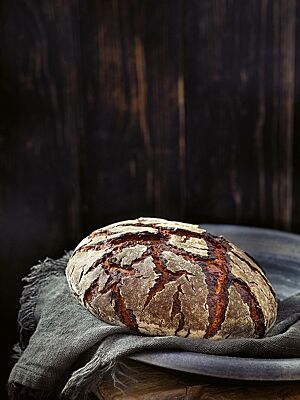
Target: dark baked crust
[{"x": 168, "y": 278}]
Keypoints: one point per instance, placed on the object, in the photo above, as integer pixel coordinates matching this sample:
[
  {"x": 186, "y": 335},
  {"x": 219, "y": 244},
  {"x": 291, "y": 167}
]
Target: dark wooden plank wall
[
  {"x": 131, "y": 66},
  {"x": 240, "y": 106},
  {"x": 183, "y": 109}
]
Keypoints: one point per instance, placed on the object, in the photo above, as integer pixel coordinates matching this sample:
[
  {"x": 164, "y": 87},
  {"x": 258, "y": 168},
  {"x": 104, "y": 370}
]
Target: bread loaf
[{"x": 162, "y": 277}]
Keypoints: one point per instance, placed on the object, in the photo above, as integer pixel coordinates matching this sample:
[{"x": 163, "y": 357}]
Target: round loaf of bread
[{"x": 162, "y": 277}]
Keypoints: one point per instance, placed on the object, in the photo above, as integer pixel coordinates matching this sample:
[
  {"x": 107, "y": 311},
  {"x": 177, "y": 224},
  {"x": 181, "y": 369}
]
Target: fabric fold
[{"x": 65, "y": 350}]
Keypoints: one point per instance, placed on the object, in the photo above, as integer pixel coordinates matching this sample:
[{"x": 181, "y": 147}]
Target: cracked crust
[{"x": 162, "y": 277}]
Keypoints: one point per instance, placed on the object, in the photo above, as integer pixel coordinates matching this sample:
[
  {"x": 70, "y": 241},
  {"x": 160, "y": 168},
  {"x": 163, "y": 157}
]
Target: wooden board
[{"x": 144, "y": 383}]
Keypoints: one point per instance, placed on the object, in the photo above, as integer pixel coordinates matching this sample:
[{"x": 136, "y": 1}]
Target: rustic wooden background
[{"x": 184, "y": 109}]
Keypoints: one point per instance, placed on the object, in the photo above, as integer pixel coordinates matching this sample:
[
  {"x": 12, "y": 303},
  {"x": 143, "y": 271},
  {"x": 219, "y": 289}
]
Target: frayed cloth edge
[
  {"x": 37, "y": 276},
  {"x": 79, "y": 387}
]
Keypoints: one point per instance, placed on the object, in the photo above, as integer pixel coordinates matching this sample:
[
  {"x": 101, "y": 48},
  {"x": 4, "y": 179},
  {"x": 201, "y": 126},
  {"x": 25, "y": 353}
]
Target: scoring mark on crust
[
  {"x": 253, "y": 266},
  {"x": 176, "y": 309},
  {"x": 115, "y": 274},
  {"x": 164, "y": 276},
  {"x": 248, "y": 298},
  {"x": 217, "y": 278},
  {"x": 125, "y": 315}
]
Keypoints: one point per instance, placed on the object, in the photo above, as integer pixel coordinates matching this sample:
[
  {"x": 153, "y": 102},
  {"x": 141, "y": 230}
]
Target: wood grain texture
[
  {"x": 296, "y": 159},
  {"x": 40, "y": 196},
  {"x": 40, "y": 163},
  {"x": 145, "y": 382},
  {"x": 284, "y": 18},
  {"x": 133, "y": 103},
  {"x": 239, "y": 111}
]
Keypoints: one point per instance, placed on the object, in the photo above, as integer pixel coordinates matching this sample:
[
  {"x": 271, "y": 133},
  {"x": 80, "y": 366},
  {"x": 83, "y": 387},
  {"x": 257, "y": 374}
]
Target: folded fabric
[{"x": 65, "y": 351}]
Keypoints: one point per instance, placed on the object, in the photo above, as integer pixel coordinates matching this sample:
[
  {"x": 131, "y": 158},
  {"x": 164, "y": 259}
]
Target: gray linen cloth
[{"x": 64, "y": 350}]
